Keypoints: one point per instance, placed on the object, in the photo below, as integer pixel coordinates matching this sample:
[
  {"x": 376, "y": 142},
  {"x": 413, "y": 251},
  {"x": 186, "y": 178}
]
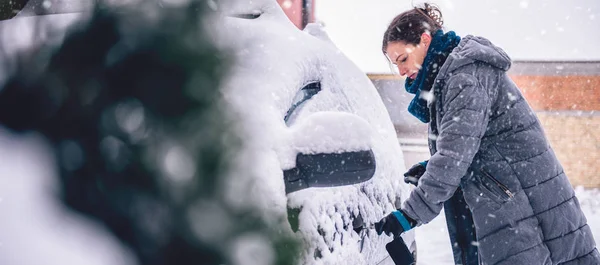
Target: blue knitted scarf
[{"x": 441, "y": 46}]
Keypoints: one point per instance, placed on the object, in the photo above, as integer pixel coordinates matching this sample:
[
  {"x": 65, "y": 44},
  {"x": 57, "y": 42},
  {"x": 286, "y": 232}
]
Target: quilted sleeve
[{"x": 466, "y": 107}]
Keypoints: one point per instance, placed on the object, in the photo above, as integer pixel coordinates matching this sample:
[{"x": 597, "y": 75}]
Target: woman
[{"x": 488, "y": 150}]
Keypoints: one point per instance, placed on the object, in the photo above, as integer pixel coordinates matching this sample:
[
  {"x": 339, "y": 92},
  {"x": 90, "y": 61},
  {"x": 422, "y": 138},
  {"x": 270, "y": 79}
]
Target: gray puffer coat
[{"x": 490, "y": 143}]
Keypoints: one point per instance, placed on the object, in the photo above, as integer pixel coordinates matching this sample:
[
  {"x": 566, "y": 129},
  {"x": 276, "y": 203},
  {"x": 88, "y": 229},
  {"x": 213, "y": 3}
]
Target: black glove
[
  {"x": 394, "y": 224},
  {"x": 415, "y": 172}
]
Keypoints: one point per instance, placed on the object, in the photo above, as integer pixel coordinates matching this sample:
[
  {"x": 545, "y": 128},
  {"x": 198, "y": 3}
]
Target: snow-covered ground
[{"x": 433, "y": 244}]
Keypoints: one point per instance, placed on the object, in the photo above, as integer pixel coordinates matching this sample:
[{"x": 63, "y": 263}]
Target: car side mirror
[
  {"x": 329, "y": 170},
  {"x": 333, "y": 149}
]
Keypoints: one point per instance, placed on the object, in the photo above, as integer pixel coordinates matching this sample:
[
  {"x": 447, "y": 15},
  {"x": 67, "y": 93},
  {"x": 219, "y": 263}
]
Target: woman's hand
[
  {"x": 394, "y": 224},
  {"x": 415, "y": 172}
]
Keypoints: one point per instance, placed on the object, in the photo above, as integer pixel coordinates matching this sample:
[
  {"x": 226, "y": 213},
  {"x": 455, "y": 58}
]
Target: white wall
[{"x": 528, "y": 30}]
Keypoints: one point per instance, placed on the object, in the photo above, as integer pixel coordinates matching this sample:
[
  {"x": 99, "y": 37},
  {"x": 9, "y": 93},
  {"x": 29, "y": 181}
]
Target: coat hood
[{"x": 473, "y": 49}]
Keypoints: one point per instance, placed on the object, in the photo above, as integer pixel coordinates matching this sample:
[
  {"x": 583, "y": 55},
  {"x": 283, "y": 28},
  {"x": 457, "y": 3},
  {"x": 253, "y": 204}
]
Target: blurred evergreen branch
[{"x": 130, "y": 104}]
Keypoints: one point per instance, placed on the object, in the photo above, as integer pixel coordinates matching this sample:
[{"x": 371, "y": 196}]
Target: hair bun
[
  {"x": 408, "y": 26},
  {"x": 434, "y": 13}
]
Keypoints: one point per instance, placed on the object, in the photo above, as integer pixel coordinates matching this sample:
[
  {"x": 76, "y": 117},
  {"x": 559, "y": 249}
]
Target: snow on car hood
[{"x": 276, "y": 65}]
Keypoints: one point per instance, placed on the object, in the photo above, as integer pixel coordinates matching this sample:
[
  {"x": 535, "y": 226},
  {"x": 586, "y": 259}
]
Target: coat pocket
[{"x": 496, "y": 189}]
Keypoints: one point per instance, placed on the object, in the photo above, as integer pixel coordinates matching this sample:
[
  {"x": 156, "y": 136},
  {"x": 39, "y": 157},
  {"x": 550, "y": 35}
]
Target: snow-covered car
[{"x": 319, "y": 140}]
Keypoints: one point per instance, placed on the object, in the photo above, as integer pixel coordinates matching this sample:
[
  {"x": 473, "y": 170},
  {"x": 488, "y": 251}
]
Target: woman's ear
[{"x": 425, "y": 39}]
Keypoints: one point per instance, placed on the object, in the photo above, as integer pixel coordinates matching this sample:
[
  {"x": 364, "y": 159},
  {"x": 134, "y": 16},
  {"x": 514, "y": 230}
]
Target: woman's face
[{"x": 408, "y": 58}]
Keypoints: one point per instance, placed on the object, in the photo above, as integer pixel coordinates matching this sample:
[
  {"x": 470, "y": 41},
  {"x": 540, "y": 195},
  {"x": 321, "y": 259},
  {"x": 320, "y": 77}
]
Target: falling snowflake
[
  {"x": 427, "y": 95},
  {"x": 212, "y": 5},
  {"x": 524, "y": 4},
  {"x": 287, "y": 4},
  {"x": 47, "y": 4}
]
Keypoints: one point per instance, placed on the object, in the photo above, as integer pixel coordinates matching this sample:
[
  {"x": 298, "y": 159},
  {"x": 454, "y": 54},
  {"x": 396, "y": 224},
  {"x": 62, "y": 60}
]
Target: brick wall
[
  {"x": 568, "y": 107},
  {"x": 569, "y": 92},
  {"x": 575, "y": 139},
  {"x": 297, "y": 13},
  {"x": 293, "y": 10}
]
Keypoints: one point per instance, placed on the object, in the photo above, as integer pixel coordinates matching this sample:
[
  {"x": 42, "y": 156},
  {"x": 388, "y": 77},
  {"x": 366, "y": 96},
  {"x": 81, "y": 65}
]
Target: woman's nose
[{"x": 402, "y": 71}]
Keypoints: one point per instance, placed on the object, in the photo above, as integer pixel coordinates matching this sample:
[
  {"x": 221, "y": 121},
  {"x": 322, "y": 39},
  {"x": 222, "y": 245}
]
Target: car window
[
  {"x": 306, "y": 93},
  {"x": 28, "y": 24},
  {"x": 17, "y": 8}
]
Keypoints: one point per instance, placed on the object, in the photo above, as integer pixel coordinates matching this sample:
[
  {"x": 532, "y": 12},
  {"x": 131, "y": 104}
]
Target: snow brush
[
  {"x": 399, "y": 252},
  {"x": 397, "y": 249}
]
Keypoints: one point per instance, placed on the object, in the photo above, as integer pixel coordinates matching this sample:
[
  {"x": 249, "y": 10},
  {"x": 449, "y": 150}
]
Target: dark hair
[{"x": 409, "y": 25}]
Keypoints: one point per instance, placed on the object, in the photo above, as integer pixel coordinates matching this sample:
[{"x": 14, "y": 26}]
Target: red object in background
[{"x": 300, "y": 12}]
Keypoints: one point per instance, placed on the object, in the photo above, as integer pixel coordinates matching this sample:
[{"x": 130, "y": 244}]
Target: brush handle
[{"x": 399, "y": 252}]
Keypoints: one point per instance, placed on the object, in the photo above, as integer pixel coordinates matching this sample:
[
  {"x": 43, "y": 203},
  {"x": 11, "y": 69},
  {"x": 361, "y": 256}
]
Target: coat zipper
[{"x": 505, "y": 189}]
